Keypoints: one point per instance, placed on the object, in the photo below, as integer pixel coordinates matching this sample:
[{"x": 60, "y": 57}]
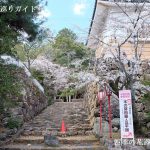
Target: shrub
[
  {"x": 49, "y": 100},
  {"x": 68, "y": 92},
  {"x": 13, "y": 123},
  {"x": 146, "y": 82},
  {"x": 146, "y": 98},
  {"x": 37, "y": 75},
  {"x": 146, "y": 101}
]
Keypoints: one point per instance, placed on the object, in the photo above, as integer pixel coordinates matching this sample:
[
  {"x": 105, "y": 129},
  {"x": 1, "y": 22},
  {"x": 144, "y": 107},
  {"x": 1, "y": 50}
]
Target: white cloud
[
  {"x": 79, "y": 8},
  {"x": 44, "y": 13}
]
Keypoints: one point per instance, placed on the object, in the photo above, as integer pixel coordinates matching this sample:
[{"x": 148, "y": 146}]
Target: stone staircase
[
  {"x": 73, "y": 114},
  {"x": 77, "y": 137}
]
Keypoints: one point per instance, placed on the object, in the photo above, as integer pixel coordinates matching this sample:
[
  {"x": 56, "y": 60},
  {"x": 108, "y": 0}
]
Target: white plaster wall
[
  {"x": 119, "y": 24},
  {"x": 97, "y": 26}
]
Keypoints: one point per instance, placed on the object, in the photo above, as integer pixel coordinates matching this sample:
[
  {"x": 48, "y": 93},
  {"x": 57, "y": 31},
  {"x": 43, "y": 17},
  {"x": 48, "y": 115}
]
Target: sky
[{"x": 73, "y": 14}]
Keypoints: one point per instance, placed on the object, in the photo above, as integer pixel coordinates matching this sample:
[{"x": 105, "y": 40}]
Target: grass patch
[{"x": 146, "y": 82}]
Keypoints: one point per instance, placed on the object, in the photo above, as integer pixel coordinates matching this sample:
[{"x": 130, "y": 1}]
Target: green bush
[
  {"x": 68, "y": 92},
  {"x": 146, "y": 82},
  {"x": 13, "y": 123},
  {"x": 85, "y": 64},
  {"x": 146, "y": 98},
  {"x": 49, "y": 100},
  {"x": 63, "y": 60},
  {"x": 73, "y": 78},
  {"x": 37, "y": 75},
  {"x": 9, "y": 86},
  {"x": 146, "y": 101},
  {"x": 143, "y": 130}
]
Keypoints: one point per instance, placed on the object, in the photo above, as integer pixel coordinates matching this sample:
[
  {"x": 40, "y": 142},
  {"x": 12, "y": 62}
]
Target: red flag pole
[
  {"x": 110, "y": 125},
  {"x": 101, "y": 103},
  {"x": 100, "y": 117},
  {"x": 109, "y": 93},
  {"x": 100, "y": 113}
]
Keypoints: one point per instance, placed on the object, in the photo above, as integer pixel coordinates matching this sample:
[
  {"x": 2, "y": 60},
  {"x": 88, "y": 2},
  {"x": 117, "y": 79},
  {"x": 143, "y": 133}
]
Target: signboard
[{"x": 126, "y": 117}]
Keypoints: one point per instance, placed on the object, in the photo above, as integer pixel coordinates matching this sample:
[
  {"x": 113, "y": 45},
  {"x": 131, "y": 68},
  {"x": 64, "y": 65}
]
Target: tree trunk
[
  {"x": 69, "y": 98},
  {"x": 29, "y": 64},
  {"x": 135, "y": 113}
]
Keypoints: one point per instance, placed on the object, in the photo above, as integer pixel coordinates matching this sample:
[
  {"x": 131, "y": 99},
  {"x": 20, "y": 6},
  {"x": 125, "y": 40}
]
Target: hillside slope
[{"x": 21, "y": 97}]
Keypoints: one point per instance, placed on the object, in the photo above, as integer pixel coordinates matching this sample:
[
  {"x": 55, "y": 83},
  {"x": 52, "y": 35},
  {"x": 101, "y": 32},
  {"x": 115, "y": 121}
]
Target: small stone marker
[{"x": 51, "y": 140}]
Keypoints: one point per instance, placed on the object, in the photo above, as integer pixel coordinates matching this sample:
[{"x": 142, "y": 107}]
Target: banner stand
[{"x": 126, "y": 118}]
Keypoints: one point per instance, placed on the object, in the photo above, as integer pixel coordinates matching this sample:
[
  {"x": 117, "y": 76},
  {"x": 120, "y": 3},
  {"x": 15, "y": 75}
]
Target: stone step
[
  {"x": 69, "y": 132},
  {"x": 62, "y": 140},
  {"x": 71, "y": 128},
  {"x": 79, "y": 139},
  {"x": 73, "y": 133},
  {"x": 65, "y": 104},
  {"x": 29, "y": 140},
  {"x": 68, "y": 125},
  {"x": 77, "y": 100},
  {"x": 61, "y": 147}
]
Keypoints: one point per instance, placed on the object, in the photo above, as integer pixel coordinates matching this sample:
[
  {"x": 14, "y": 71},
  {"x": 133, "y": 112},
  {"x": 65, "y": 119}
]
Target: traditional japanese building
[{"x": 113, "y": 22}]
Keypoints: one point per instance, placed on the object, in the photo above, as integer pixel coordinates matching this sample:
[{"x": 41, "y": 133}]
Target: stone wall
[
  {"x": 91, "y": 102},
  {"x": 142, "y": 96},
  {"x": 29, "y": 102}
]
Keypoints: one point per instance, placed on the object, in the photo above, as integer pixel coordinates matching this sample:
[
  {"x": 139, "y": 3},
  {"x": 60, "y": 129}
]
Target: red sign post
[{"x": 109, "y": 93}]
